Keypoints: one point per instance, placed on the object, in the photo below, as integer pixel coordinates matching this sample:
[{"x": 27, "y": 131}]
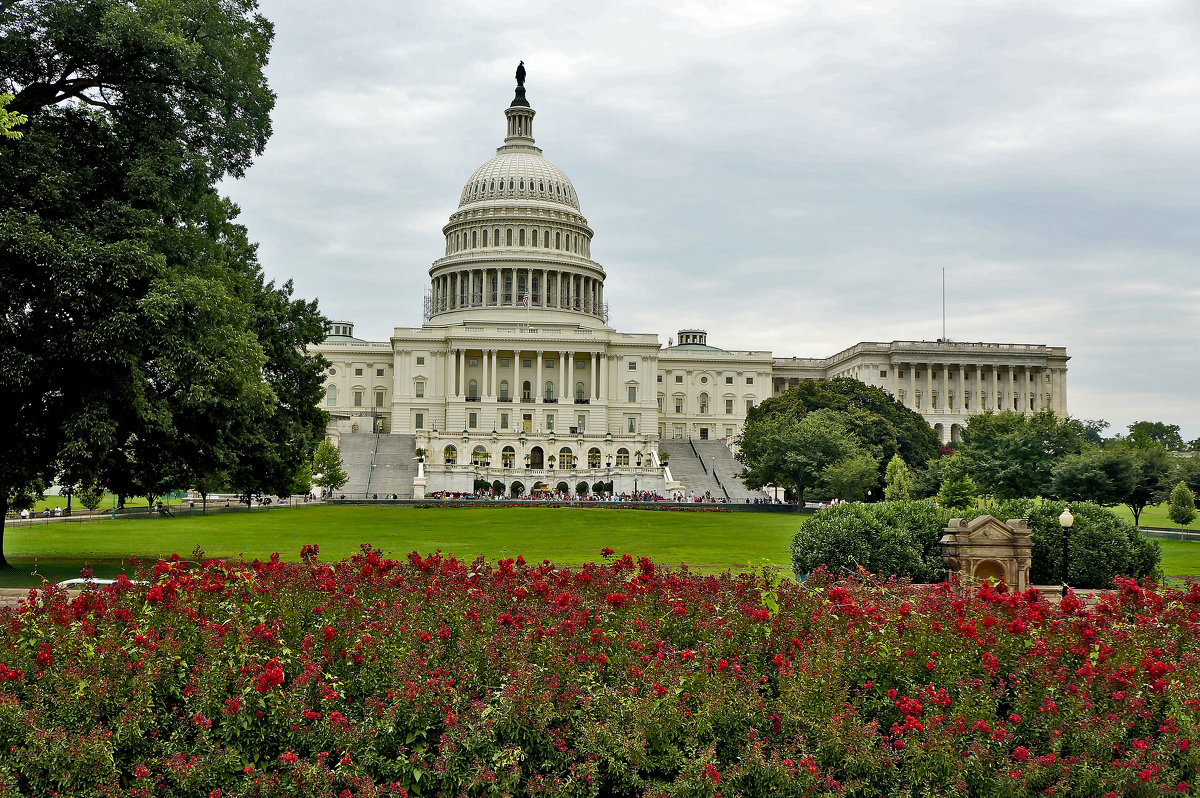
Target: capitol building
[{"x": 515, "y": 378}]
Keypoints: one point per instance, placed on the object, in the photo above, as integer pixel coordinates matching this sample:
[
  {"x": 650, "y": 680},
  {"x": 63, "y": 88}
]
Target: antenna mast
[{"x": 943, "y": 304}]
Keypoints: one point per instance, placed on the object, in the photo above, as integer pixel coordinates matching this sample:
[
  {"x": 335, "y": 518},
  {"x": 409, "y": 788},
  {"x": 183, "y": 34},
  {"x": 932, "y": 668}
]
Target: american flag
[{"x": 525, "y": 299}]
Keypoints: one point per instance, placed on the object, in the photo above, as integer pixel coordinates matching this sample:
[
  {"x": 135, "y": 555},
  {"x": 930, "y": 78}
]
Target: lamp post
[
  {"x": 608, "y": 471},
  {"x": 1066, "y": 521}
]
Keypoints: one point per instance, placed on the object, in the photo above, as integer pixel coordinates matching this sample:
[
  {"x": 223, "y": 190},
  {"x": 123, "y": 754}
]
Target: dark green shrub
[{"x": 901, "y": 539}]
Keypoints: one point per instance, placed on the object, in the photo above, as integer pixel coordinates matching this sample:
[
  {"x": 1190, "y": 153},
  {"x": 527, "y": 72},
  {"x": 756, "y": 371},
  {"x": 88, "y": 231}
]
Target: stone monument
[{"x": 988, "y": 548}]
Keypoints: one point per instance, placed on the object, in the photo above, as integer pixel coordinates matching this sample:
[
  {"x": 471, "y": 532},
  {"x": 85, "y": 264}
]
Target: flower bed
[{"x": 436, "y": 677}]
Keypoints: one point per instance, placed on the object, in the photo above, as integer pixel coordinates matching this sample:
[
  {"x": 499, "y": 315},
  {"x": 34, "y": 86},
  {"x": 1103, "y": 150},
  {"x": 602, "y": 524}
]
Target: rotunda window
[
  {"x": 541, "y": 186},
  {"x": 522, "y": 185},
  {"x": 510, "y": 184},
  {"x": 493, "y": 186}
]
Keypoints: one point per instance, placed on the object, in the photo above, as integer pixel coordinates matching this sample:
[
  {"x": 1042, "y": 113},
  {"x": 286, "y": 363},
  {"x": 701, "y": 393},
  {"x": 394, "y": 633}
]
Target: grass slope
[{"x": 566, "y": 536}]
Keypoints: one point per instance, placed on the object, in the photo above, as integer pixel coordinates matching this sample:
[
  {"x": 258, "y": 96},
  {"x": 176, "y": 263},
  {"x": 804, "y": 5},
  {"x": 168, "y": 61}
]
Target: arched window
[
  {"x": 558, "y": 240},
  {"x": 503, "y": 389},
  {"x": 496, "y": 237},
  {"x": 622, "y": 456},
  {"x": 450, "y": 455},
  {"x": 549, "y": 389},
  {"x": 522, "y": 184},
  {"x": 546, "y": 239},
  {"x": 331, "y": 394},
  {"x": 510, "y": 184},
  {"x": 474, "y": 238},
  {"x": 526, "y": 391},
  {"x": 534, "y": 234},
  {"x": 508, "y": 457},
  {"x": 541, "y": 186},
  {"x": 479, "y": 455},
  {"x": 566, "y": 458},
  {"x": 593, "y": 457},
  {"x": 508, "y": 237},
  {"x": 521, "y": 237},
  {"x": 704, "y": 404},
  {"x": 485, "y": 238},
  {"x": 473, "y": 389},
  {"x": 579, "y": 390},
  {"x": 493, "y": 186}
]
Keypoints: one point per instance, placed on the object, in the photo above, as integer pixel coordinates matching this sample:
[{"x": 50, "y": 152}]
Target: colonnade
[
  {"x": 508, "y": 286},
  {"x": 977, "y": 387},
  {"x": 456, "y": 374}
]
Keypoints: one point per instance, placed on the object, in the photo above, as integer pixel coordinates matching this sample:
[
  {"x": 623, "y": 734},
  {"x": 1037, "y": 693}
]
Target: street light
[{"x": 1066, "y": 521}]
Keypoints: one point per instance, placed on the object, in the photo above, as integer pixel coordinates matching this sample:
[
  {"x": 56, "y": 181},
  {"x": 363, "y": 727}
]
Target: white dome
[{"x": 519, "y": 175}]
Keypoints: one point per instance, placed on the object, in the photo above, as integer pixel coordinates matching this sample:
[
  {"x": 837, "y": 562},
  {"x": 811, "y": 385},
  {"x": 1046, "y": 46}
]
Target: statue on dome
[{"x": 521, "y": 74}]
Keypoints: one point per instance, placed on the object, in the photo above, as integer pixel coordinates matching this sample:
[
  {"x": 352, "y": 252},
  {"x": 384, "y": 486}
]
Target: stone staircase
[
  {"x": 357, "y": 449},
  {"x": 687, "y": 468},
  {"x": 395, "y": 466},
  {"x": 720, "y": 460}
]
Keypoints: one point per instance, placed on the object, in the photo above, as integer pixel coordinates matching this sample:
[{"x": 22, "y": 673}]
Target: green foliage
[
  {"x": 897, "y": 480},
  {"x": 851, "y": 477},
  {"x": 142, "y": 346},
  {"x": 90, "y": 496},
  {"x": 1156, "y": 433},
  {"x": 803, "y": 453},
  {"x": 1151, "y": 476},
  {"x": 327, "y": 467},
  {"x": 881, "y": 426},
  {"x": 894, "y": 538},
  {"x": 958, "y": 493},
  {"x": 1187, "y": 470},
  {"x": 581, "y": 488},
  {"x": 10, "y": 119},
  {"x": 1182, "y": 505},
  {"x": 1104, "y": 476},
  {"x": 1011, "y": 454},
  {"x": 1103, "y": 545}
]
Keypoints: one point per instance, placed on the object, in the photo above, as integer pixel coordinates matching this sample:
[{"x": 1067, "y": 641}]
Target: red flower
[{"x": 617, "y": 599}]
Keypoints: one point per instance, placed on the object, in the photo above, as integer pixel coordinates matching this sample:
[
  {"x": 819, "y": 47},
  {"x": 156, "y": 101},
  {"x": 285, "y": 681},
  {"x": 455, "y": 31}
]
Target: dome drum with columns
[{"x": 516, "y": 379}]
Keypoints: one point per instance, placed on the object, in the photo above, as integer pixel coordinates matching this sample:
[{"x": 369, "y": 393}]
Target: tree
[
  {"x": 90, "y": 496},
  {"x": 1145, "y": 433},
  {"x": 958, "y": 492},
  {"x": 327, "y": 467},
  {"x": 1187, "y": 469},
  {"x": 851, "y": 477},
  {"x": 140, "y": 345},
  {"x": 882, "y": 426},
  {"x": 1103, "y": 476},
  {"x": 1012, "y": 455},
  {"x": 897, "y": 480},
  {"x": 780, "y": 450},
  {"x": 1151, "y": 477},
  {"x": 1182, "y": 505}
]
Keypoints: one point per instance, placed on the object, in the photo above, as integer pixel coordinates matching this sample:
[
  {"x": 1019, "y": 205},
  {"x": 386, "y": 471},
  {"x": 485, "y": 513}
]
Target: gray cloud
[{"x": 790, "y": 176}]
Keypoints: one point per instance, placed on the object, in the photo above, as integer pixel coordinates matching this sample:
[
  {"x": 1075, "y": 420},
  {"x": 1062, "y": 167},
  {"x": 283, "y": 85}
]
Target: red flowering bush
[{"x": 431, "y": 676}]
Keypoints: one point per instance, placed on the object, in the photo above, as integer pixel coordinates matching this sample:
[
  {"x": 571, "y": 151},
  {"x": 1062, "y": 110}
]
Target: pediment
[{"x": 986, "y": 529}]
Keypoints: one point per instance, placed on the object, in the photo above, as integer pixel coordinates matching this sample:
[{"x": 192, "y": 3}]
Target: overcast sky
[{"x": 790, "y": 176}]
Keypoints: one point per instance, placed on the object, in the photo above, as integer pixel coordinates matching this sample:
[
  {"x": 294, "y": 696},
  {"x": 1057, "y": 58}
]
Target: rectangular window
[
  {"x": 504, "y": 421},
  {"x": 420, "y": 421},
  {"x": 550, "y": 422},
  {"x": 729, "y": 432},
  {"x": 420, "y": 360},
  {"x": 749, "y": 405},
  {"x": 677, "y": 433},
  {"x": 504, "y": 362},
  {"x": 549, "y": 364},
  {"x": 633, "y": 365},
  {"x": 749, "y": 380},
  {"x": 883, "y": 372},
  {"x": 358, "y": 372},
  {"x": 472, "y": 420},
  {"x": 358, "y": 398},
  {"x": 472, "y": 361},
  {"x": 678, "y": 404},
  {"x": 632, "y": 393},
  {"x": 379, "y": 398},
  {"x": 420, "y": 390},
  {"x": 900, "y": 374},
  {"x": 526, "y": 363},
  {"x": 660, "y": 404},
  {"x": 582, "y": 423},
  {"x": 580, "y": 364},
  {"x": 332, "y": 401},
  {"x": 658, "y": 378},
  {"x": 729, "y": 380},
  {"x": 378, "y": 372},
  {"x": 729, "y": 407},
  {"x": 678, "y": 379},
  {"x": 632, "y": 425}
]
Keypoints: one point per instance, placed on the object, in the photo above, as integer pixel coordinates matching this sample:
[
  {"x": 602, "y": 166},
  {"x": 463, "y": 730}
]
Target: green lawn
[
  {"x": 1156, "y": 515},
  {"x": 568, "y": 536}
]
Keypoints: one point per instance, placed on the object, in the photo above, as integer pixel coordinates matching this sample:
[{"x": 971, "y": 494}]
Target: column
[
  {"x": 460, "y": 375},
  {"x": 537, "y": 386},
  {"x": 945, "y": 392},
  {"x": 485, "y": 388},
  {"x": 593, "y": 376},
  {"x": 893, "y": 378},
  {"x": 603, "y": 377},
  {"x": 1012, "y": 387},
  {"x": 979, "y": 408},
  {"x": 927, "y": 405},
  {"x": 494, "y": 355},
  {"x": 564, "y": 389},
  {"x": 447, "y": 373},
  {"x": 962, "y": 388}
]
